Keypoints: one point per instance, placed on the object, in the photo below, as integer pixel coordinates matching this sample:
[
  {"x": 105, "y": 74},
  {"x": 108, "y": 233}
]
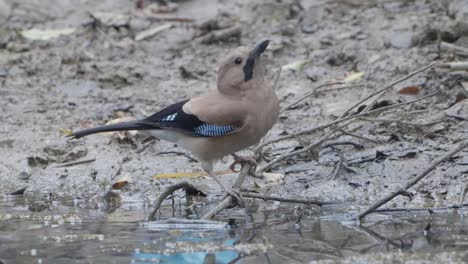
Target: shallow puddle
[{"x": 63, "y": 234}]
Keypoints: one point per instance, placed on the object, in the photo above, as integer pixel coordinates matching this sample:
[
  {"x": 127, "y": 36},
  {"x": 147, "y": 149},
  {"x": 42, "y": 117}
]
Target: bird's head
[{"x": 242, "y": 68}]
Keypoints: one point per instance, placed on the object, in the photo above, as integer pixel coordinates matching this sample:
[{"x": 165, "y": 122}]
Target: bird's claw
[
  {"x": 237, "y": 196},
  {"x": 243, "y": 160}
]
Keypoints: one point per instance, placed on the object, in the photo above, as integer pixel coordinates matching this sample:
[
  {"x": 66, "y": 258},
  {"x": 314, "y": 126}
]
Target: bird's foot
[
  {"x": 236, "y": 195},
  {"x": 242, "y": 160}
]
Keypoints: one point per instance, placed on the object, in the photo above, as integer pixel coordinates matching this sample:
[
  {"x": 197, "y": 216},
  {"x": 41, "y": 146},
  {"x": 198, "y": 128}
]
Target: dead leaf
[
  {"x": 353, "y": 76},
  {"x": 121, "y": 134},
  {"x": 111, "y": 19},
  {"x": 87, "y": 124},
  {"x": 296, "y": 66},
  {"x": 45, "y": 34},
  {"x": 410, "y": 90},
  {"x": 460, "y": 97},
  {"x": 151, "y": 32},
  {"x": 168, "y": 7},
  {"x": 66, "y": 131},
  {"x": 119, "y": 185}
]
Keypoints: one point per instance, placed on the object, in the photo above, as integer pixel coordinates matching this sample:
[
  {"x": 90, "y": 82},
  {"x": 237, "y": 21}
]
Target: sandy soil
[{"x": 100, "y": 72}]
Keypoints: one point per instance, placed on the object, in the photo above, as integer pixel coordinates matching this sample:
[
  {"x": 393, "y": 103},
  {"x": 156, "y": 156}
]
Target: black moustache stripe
[{"x": 248, "y": 68}]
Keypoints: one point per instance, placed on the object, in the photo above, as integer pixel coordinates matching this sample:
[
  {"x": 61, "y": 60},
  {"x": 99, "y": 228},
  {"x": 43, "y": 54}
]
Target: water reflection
[{"x": 64, "y": 234}]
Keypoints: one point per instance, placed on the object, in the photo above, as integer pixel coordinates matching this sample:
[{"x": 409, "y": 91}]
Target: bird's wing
[
  {"x": 174, "y": 117},
  {"x": 215, "y": 108}
]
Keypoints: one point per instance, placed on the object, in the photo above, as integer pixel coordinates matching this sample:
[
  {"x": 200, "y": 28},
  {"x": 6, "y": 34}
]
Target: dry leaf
[
  {"x": 460, "y": 97},
  {"x": 122, "y": 134},
  {"x": 156, "y": 8},
  {"x": 87, "y": 124},
  {"x": 119, "y": 185},
  {"x": 66, "y": 131},
  {"x": 353, "y": 76},
  {"x": 45, "y": 34},
  {"x": 296, "y": 66},
  {"x": 151, "y": 32},
  {"x": 120, "y": 119},
  {"x": 410, "y": 90},
  {"x": 465, "y": 86}
]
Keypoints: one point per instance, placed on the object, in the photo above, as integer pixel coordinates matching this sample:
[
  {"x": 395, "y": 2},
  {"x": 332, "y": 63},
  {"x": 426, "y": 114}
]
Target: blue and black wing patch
[
  {"x": 173, "y": 117},
  {"x": 210, "y": 130}
]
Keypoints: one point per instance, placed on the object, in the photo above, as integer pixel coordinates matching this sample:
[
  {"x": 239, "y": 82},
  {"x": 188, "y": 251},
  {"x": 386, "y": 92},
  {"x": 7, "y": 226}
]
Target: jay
[{"x": 232, "y": 117}]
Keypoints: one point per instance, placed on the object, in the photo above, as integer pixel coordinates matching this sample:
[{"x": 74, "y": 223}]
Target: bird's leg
[
  {"x": 208, "y": 167},
  {"x": 244, "y": 160},
  {"x": 235, "y": 194}
]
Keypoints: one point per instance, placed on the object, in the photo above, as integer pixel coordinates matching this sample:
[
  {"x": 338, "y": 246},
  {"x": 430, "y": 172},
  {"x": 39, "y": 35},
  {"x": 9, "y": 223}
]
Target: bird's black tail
[{"x": 124, "y": 126}]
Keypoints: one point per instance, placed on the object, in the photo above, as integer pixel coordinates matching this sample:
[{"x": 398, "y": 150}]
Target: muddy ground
[{"x": 98, "y": 72}]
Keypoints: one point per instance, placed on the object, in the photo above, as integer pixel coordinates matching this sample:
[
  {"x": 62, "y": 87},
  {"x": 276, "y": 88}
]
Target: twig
[
  {"x": 463, "y": 194},
  {"x": 337, "y": 169},
  {"x": 72, "y": 163},
  {"x": 276, "y": 78},
  {"x": 150, "y": 32},
  {"x": 297, "y": 152},
  {"x": 311, "y": 130},
  {"x": 412, "y": 182},
  {"x": 190, "y": 158},
  {"x": 435, "y": 209},
  {"x": 384, "y": 120},
  {"x": 228, "y": 201},
  {"x": 381, "y": 238},
  {"x": 117, "y": 173},
  {"x": 160, "y": 199},
  {"x": 381, "y": 91},
  {"x": 457, "y": 49},
  {"x": 341, "y": 143},
  {"x": 220, "y": 35},
  {"x": 153, "y": 17},
  {"x": 286, "y": 199},
  {"x": 359, "y": 136},
  {"x": 300, "y": 99},
  {"x": 454, "y": 66}
]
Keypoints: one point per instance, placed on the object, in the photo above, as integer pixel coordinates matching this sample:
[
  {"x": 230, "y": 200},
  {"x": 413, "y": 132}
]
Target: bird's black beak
[
  {"x": 260, "y": 48},
  {"x": 254, "y": 54}
]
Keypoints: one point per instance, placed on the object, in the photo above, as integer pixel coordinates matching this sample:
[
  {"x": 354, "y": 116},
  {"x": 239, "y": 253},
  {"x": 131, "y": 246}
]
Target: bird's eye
[{"x": 238, "y": 61}]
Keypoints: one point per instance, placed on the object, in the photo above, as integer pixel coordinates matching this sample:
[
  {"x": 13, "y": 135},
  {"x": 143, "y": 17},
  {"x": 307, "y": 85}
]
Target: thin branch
[
  {"x": 457, "y": 49},
  {"x": 454, "y": 66},
  {"x": 343, "y": 143},
  {"x": 276, "y": 78},
  {"x": 72, "y": 163},
  {"x": 381, "y": 238},
  {"x": 315, "y": 90},
  {"x": 160, "y": 199},
  {"x": 412, "y": 182},
  {"x": 359, "y": 136},
  {"x": 298, "y": 152},
  {"x": 434, "y": 209},
  {"x": 228, "y": 201},
  {"x": 463, "y": 194},
  {"x": 286, "y": 199},
  {"x": 311, "y": 130},
  {"x": 220, "y": 35},
  {"x": 380, "y": 92},
  {"x": 337, "y": 169},
  {"x": 393, "y": 120}
]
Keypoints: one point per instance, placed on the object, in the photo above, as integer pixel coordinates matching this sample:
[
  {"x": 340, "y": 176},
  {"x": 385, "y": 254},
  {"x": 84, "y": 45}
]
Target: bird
[{"x": 235, "y": 115}]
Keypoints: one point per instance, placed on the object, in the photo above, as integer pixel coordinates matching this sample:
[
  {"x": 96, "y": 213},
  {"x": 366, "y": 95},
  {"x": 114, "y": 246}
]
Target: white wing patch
[{"x": 169, "y": 118}]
